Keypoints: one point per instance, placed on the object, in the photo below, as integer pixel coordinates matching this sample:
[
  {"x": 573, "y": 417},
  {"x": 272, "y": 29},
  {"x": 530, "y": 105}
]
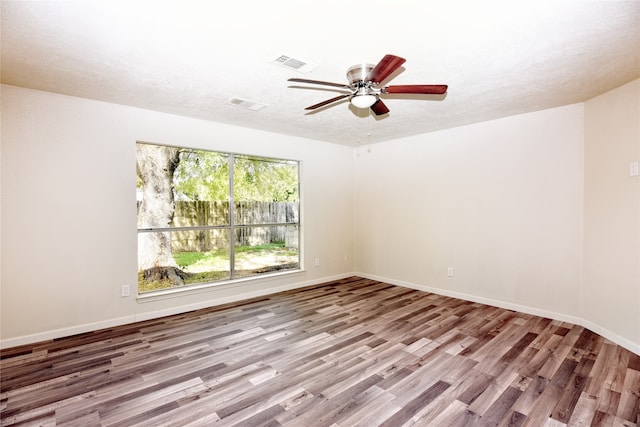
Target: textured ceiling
[{"x": 189, "y": 58}]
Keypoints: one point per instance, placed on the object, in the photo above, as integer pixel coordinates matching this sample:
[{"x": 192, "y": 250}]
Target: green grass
[
  {"x": 220, "y": 258},
  {"x": 258, "y": 248},
  {"x": 211, "y": 259},
  {"x": 155, "y": 285},
  {"x": 212, "y": 266}
]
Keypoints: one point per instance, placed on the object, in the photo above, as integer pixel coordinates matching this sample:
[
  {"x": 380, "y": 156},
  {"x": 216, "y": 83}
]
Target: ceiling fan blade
[
  {"x": 385, "y": 68},
  {"x": 416, "y": 89},
  {"x": 379, "y": 107},
  {"x": 318, "y": 82},
  {"x": 328, "y": 101}
]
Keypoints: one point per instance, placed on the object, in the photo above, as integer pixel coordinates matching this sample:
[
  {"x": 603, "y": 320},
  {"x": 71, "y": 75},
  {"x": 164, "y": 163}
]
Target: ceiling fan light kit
[
  {"x": 364, "y": 97},
  {"x": 363, "y": 101},
  {"x": 363, "y": 90}
]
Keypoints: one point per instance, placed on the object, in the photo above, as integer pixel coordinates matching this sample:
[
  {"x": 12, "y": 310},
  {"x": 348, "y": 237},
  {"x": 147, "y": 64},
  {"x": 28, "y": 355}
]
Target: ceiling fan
[{"x": 363, "y": 85}]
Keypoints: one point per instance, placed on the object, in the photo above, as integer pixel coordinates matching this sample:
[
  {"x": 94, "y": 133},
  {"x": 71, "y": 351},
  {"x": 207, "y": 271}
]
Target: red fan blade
[
  {"x": 416, "y": 89},
  {"x": 328, "y": 101},
  {"x": 385, "y": 68},
  {"x": 318, "y": 82},
  {"x": 379, "y": 108}
]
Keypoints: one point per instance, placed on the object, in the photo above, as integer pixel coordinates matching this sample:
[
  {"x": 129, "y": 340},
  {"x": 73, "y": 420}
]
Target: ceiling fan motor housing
[
  {"x": 358, "y": 74},
  {"x": 364, "y": 96}
]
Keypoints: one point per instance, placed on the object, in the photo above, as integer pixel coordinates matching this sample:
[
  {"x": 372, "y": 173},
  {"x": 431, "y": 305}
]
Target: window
[{"x": 206, "y": 216}]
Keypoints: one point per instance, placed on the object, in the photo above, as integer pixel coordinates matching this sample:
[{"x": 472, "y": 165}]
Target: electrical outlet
[
  {"x": 317, "y": 262},
  {"x": 450, "y": 271},
  {"x": 124, "y": 291},
  {"x": 633, "y": 169}
]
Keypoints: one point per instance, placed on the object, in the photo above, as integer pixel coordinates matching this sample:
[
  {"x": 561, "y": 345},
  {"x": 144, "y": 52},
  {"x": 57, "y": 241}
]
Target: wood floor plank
[
  {"x": 493, "y": 391},
  {"x": 351, "y": 352},
  {"x": 409, "y": 409},
  {"x": 575, "y": 385},
  {"x": 629, "y": 407},
  {"x": 501, "y": 407}
]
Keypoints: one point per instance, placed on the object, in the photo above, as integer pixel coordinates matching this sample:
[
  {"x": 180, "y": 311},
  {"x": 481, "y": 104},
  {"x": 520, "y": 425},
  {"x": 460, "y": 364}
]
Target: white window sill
[{"x": 205, "y": 287}]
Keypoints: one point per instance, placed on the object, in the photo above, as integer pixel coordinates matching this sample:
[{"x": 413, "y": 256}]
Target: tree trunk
[{"x": 155, "y": 167}]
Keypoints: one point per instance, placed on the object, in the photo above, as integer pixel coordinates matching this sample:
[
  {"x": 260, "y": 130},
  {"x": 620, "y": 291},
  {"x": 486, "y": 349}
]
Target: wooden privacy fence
[{"x": 247, "y": 217}]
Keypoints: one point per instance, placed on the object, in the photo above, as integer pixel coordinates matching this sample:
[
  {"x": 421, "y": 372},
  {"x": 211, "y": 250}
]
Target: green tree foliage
[
  {"x": 265, "y": 180},
  {"x": 204, "y": 175}
]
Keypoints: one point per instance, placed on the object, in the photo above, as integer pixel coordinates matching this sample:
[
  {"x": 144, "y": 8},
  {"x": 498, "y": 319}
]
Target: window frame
[{"x": 231, "y": 226}]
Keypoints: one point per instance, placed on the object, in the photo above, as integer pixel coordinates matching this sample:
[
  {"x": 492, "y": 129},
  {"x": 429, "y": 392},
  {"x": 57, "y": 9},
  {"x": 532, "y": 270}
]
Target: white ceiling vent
[
  {"x": 243, "y": 103},
  {"x": 299, "y": 65}
]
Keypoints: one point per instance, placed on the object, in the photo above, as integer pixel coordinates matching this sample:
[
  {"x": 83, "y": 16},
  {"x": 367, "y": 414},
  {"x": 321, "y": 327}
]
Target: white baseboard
[
  {"x": 611, "y": 336},
  {"x": 110, "y": 323},
  {"x": 622, "y": 342},
  {"x": 65, "y": 332}
]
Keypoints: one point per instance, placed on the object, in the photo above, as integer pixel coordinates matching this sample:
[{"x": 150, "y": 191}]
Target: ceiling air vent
[
  {"x": 243, "y": 103},
  {"x": 294, "y": 64}
]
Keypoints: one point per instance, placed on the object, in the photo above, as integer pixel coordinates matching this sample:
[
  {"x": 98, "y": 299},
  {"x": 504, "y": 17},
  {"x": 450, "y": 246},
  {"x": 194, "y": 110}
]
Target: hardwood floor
[{"x": 353, "y": 352}]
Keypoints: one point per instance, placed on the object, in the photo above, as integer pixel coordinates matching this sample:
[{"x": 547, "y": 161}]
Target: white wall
[
  {"x": 535, "y": 212},
  {"x": 499, "y": 201},
  {"x": 69, "y": 215},
  {"x": 611, "y": 297}
]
